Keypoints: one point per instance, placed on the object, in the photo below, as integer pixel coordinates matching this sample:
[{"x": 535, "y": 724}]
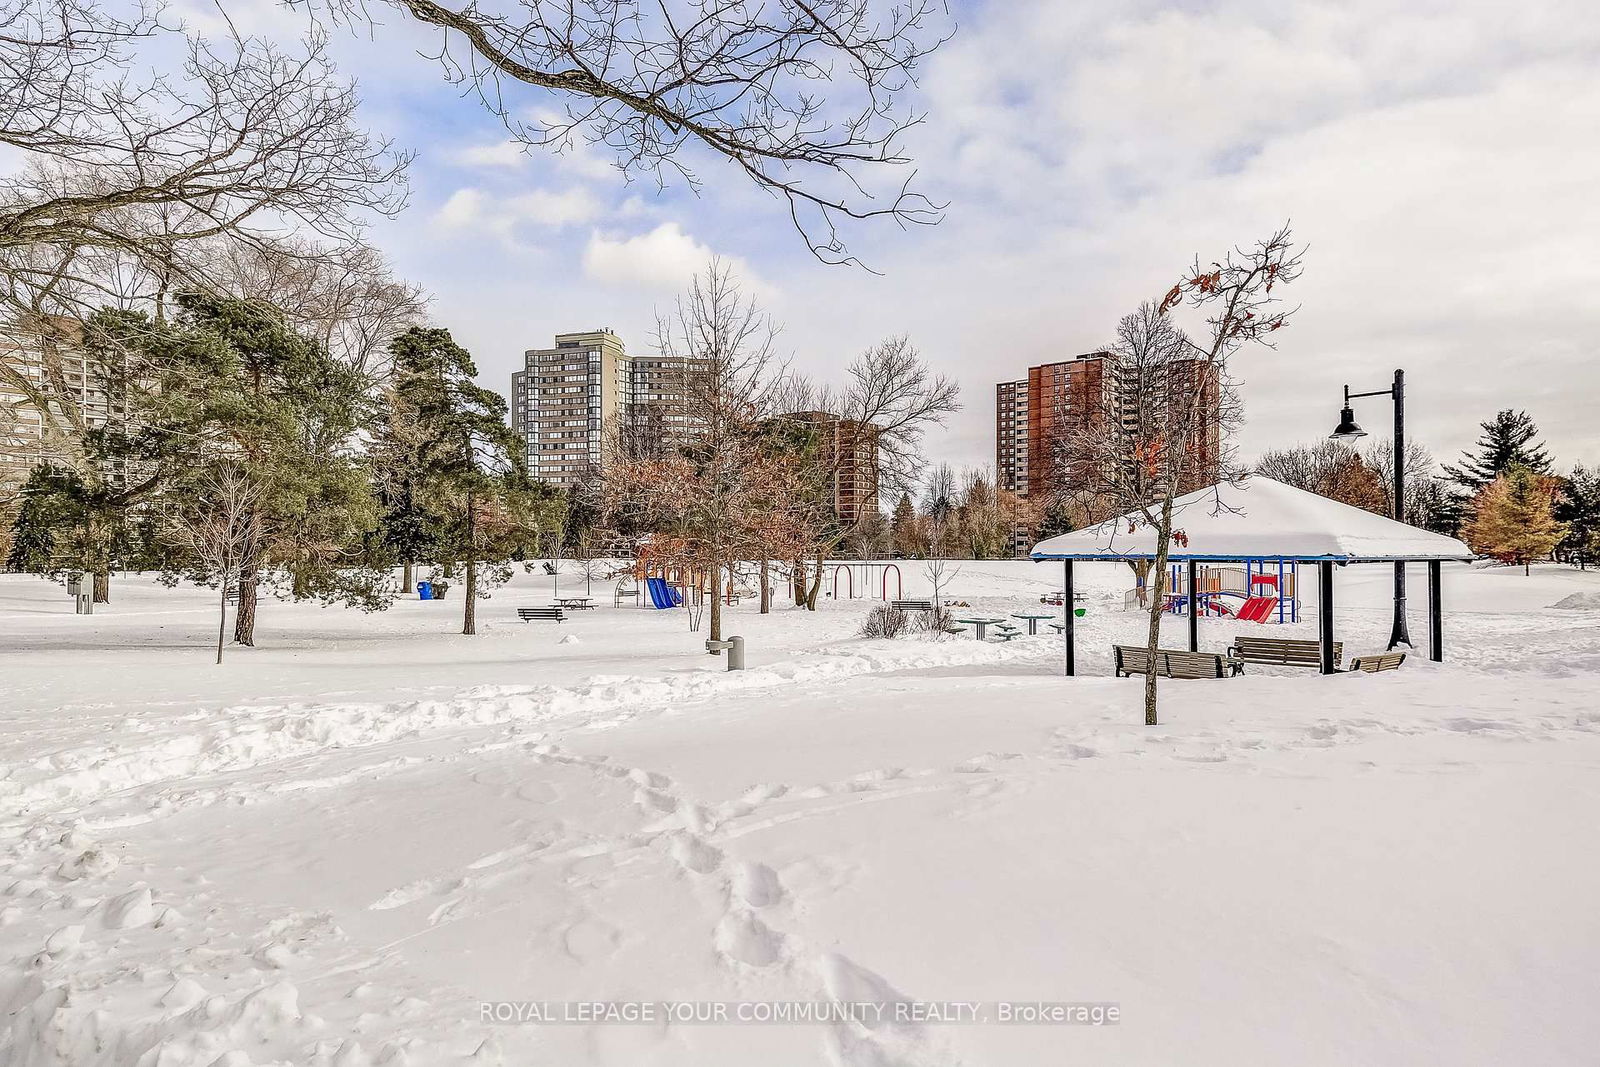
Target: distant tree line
[{"x": 1502, "y": 497}]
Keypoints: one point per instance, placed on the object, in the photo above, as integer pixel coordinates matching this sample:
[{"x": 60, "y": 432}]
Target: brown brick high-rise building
[
  {"x": 850, "y": 448},
  {"x": 1038, "y": 418}
]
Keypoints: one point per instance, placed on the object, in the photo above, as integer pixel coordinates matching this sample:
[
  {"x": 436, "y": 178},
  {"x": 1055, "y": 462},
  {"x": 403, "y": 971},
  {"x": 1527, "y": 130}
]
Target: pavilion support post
[
  {"x": 1194, "y": 609},
  {"x": 1325, "y": 613},
  {"x": 1435, "y": 614},
  {"x": 1068, "y": 638}
]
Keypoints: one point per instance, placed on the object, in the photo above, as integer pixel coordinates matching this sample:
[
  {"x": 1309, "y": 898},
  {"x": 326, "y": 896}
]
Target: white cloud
[
  {"x": 471, "y": 208},
  {"x": 499, "y": 154},
  {"x": 664, "y": 259}
]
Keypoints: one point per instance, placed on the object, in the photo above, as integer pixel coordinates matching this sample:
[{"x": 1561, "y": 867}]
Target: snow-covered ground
[{"x": 341, "y": 846}]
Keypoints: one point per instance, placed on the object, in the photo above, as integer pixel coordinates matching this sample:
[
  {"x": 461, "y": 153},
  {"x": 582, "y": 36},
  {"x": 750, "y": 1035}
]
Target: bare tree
[
  {"x": 1330, "y": 469},
  {"x": 130, "y": 184},
  {"x": 345, "y": 296},
  {"x": 1422, "y": 494},
  {"x": 125, "y": 173},
  {"x": 890, "y": 400},
  {"x": 808, "y": 99},
  {"x": 216, "y": 524},
  {"x": 1171, "y": 431},
  {"x": 709, "y": 502}
]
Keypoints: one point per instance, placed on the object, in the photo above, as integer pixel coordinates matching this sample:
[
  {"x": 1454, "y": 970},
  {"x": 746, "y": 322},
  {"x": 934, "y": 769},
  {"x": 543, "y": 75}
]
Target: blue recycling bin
[{"x": 424, "y": 590}]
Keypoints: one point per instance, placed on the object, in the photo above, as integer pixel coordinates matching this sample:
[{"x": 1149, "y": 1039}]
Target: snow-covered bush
[{"x": 885, "y": 620}]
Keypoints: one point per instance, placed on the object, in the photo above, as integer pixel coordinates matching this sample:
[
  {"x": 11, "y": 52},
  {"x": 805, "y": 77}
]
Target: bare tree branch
[{"x": 806, "y": 98}]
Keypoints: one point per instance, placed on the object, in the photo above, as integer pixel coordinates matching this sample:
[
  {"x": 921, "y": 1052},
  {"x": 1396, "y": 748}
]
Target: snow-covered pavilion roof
[{"x": 1259, "y": 519}]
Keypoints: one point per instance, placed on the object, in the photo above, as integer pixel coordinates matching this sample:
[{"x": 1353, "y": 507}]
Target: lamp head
[{"x": 1347, "y": 429}]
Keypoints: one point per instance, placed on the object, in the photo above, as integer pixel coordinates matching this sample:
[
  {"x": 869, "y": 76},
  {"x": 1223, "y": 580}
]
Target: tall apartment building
[
  {"x": 566, "y": 399},
  {"x": 49, "y": 361},
  {"x": 573, "y": 402},
  {"x": 850, "y": 447},
  {"x": 1011, "y": 436},
  {"x": 1037, "y": 417}
]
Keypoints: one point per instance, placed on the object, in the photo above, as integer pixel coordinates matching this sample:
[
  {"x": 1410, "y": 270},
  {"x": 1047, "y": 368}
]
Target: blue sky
[{"x": 1438, "y": 158}]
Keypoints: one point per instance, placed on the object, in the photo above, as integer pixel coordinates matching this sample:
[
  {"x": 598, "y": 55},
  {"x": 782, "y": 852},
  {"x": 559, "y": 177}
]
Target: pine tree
[
  {"x": 408, "y": 528},
  {"x": 1513, "y": 517},
  {"x": 1507, "y": 441},
  {"x": 903, "y": 528},
  {"x": 1579, "y": 509},
  {"x": 231, "y": 380},
  {"x": 469, "y": 464}
]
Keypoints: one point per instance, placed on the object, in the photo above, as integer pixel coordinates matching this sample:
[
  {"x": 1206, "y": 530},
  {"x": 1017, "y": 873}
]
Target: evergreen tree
[
  {"x": 1579, "y": 509},
  {"x": 69, "y": 526},
  {"x": 407, "y": 530},
  {"x": 230, "y": 380},
  {"x": 1513, "y": 517},
  {"x": 903, "y": 527},
  {"x": 1507, "y": 441},
  {"x": 469, "y": 464}
]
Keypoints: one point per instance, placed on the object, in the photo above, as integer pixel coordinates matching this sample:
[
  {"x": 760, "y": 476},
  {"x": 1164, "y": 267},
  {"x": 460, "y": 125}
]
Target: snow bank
[{"x": 1589, "y": 601}]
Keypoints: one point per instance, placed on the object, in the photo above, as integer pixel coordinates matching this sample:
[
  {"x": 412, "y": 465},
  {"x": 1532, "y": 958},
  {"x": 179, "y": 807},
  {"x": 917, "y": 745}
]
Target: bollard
[
  {"x": 85, "y": 604},
  {"x": 735, "y": 649}
]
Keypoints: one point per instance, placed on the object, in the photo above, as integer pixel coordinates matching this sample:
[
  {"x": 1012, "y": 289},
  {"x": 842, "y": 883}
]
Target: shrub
[{"x": 885, "y": 621}]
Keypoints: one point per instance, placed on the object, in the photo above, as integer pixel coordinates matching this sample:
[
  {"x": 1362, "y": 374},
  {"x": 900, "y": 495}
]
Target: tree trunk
[
  {"x": 766, "y": 590},
  {"x": 1158, "y": 594},
  {"x": 798, "y": 576},
  {"x": 408, "y": 578},
  {"x": 222, "y": 614},
  {"x": 469, "y": 614},
  {"x": 244, "y": 619},
  {"x": 816, "y": 586},
  {"x": 714, "y": 577},
  {"x": 102, "y": 587}
]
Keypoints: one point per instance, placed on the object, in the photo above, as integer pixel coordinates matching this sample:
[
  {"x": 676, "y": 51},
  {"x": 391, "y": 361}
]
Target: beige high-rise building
[
  {"x": 565, "y": 400},
  {"x": 50, "y": 362},
  {"x": 573, "y": 402}
]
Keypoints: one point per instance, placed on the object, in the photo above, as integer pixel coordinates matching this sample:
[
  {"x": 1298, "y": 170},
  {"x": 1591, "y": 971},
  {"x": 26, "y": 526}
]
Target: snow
[
  {"x": 341, "y": 847},
  {"x": 1259, "y": 519},
  {"x": 1586, "y": 601}
]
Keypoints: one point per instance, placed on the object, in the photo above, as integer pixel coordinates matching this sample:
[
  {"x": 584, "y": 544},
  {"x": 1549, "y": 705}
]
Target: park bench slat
[
  {"x": 1172, "y": 663},
  {"x": 1282, "y": 651},
  {"x": 1385, "y": 661},
  {"x": 548, "y": 614}
]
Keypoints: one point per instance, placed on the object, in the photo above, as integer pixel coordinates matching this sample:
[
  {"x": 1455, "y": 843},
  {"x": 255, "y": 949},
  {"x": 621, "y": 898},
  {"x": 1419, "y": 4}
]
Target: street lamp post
[{"x": 1348, "y": 430}]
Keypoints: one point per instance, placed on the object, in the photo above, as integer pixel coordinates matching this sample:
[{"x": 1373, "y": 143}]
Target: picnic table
[
  {"x": 575, "y": 602},
  {"x": 980, "y": 624},
  {"x": 1033, "y": 619}
]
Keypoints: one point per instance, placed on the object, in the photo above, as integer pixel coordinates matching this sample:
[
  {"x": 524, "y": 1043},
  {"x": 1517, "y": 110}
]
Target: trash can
[{"x": 424, "y": 590}]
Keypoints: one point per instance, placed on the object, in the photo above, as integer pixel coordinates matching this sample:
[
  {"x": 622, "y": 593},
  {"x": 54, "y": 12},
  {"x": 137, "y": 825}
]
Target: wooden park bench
[
  {"x": 1384, "y": 661},
  {"x": 1171, "y": 663},
  {"x": 912, "y": 605},
  {"x": 549, "y": 614},
  {"x": 1283, "y": 651}
]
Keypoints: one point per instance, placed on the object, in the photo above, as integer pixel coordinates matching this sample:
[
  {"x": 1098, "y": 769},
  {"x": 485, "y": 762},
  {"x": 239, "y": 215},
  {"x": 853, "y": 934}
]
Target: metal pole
[
  {"x": 1398, "y": 634},
  {"x": 1325, "y": 613},
  {"x": 1435, "y": 614},
  {"x": 1067, "y": 636},
  {"x": 1194, "y": 610}
]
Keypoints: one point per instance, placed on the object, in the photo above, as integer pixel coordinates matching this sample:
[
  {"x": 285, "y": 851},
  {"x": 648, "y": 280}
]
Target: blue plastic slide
[
  {"x": 658, "y": 592},
  {"x": 673, "y": 593}
]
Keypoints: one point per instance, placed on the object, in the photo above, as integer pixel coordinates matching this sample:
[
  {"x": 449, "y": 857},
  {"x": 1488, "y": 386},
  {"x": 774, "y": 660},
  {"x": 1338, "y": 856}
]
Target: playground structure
[
  {"x": 868, "y": 573},
  {"x": 1257, "y": 590}
]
